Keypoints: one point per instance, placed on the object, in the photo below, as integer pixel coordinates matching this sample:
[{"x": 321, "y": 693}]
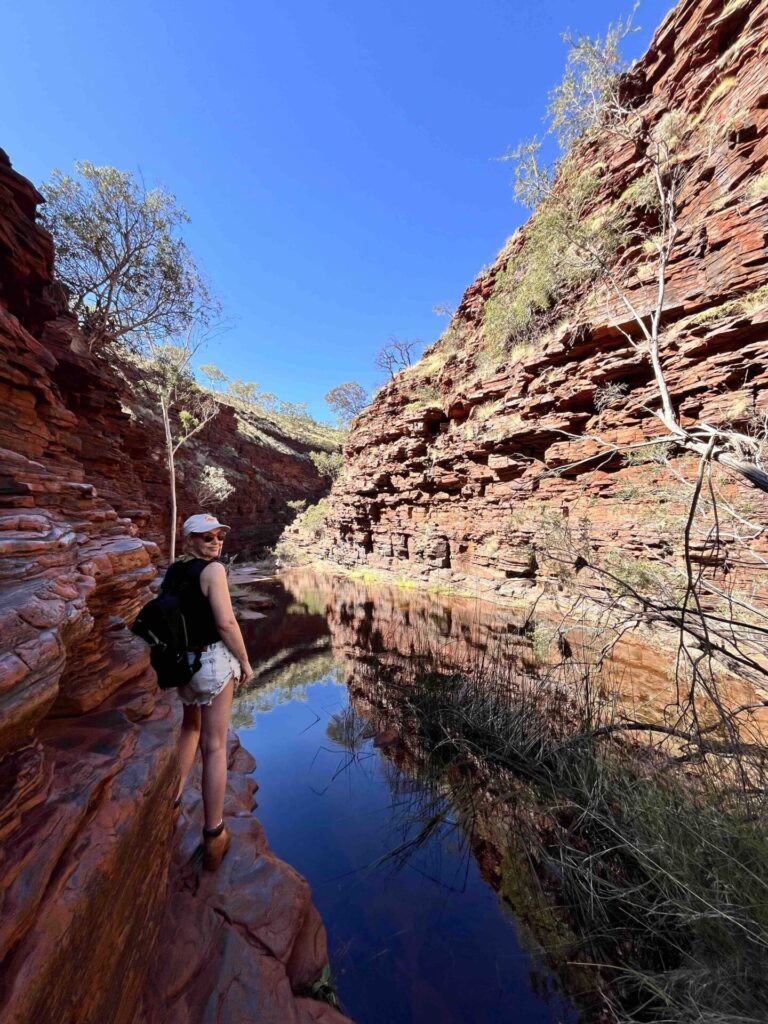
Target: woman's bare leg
[
  {"x": 188, "y": 741},
  {"x": 213, "y": 745}
]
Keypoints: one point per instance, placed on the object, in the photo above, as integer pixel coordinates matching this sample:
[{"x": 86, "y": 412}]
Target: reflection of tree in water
[
  {"x": 432, "y": 822},
  {"x": 283, "y": 685},
  {"x": 433, "y": 818},
  {"x": 348, "y": 729},
  {"x": 311, "y": 602}
]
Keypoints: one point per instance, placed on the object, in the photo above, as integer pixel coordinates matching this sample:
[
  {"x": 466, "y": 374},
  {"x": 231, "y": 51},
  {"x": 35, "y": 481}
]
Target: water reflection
[{"x": 397, "y": 859}]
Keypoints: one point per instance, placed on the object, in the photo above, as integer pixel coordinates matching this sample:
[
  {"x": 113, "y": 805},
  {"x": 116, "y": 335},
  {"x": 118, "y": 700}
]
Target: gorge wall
[
  {"x": 469, "y": 467},
  {"x": 90, "y": 874},
  {"x": 61, "y": 404}
]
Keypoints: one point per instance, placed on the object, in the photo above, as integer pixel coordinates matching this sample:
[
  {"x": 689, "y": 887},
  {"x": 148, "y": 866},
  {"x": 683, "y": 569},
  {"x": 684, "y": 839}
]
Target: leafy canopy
[
  {"x": 573, "y": 235},
  {"x": 347, "y": 400},
  {"x": 119, "y": 252}
]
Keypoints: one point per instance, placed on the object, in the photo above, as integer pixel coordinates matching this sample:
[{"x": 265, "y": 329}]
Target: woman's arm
[{"x": 213, "y": 583}]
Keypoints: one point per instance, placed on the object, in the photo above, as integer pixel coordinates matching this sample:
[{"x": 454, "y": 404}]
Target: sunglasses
[{"x": 206, "y": 538}]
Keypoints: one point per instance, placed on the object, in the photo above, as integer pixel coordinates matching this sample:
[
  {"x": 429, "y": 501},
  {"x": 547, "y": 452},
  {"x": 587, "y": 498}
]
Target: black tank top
[{"x": 183, "y": 577}]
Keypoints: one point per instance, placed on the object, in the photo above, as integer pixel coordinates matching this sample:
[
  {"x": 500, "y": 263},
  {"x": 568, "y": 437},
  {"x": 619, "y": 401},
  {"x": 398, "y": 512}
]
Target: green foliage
[
  {"x": 168, "y": 382},
  {"x": 627, "y": 491},
  {"x": 589, "y": 84},
  {"x": 641, "y": 194},
  {"x": 346, "y": 401},
  {"x": 244, "y": 391},
  {"x": 324, "y": 988},
  {"x": 261, "y": 412},
  {"x": 715, "y": 313},
  {"x": 542, "y": 641},
  {"x": 119, "y": 252},
  {"x": 312, "y": 521},
  {"x": 658, "y": 872},
  {"x": 744, "y": 304},
  {"x": 638, "y": 574},
  {"x": 216, "y": 377},
  {"x": 657, "y": 453},
  {"x": 565, "y": 244},
  {"x": 306, "y": 529},
  {"x": 327, "y": 463},
  {"x": 609, "y": 394},
  {"x": 212, "y": 487},
  {"x": 758, "y": 188},
  {"x": 428, "y": 397},
  {"x": 722, "y": 87}
]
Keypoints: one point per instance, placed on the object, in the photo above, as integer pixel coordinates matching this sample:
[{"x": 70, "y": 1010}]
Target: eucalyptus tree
[
  {"x": 347, "y": 400},
  {"x": 185, "y": 408},
  {"x": 120, "y": 255}
]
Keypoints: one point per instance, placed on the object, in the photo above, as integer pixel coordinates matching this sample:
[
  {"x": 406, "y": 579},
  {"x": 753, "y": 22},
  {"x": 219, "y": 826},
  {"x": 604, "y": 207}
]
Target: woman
[{"x": 200, "y": 581}]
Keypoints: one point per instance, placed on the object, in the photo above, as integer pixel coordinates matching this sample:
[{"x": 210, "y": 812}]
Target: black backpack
[{"x": 162, "y": 625}]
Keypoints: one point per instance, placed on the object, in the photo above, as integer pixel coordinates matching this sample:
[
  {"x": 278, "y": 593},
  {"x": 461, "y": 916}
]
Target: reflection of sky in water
[{"x": 415, "y": 939}]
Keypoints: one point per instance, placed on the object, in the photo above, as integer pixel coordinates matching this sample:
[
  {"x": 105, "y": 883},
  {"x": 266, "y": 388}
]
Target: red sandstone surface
[
  {"x": 100, "y": 908},
  {"x": 60, "y": 407},
  {"x": 444, "y": 478}
]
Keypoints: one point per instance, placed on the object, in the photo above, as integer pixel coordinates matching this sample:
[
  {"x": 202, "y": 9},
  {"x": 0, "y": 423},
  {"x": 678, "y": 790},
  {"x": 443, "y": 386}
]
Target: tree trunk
[{"x": 171, "y": 477}]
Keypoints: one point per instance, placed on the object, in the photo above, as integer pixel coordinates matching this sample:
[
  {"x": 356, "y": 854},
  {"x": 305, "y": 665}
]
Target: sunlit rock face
[
  {"x": 68, "y": 425},
  {"x": 87, "y": 750},
  {"x": 444, "y": 477}
]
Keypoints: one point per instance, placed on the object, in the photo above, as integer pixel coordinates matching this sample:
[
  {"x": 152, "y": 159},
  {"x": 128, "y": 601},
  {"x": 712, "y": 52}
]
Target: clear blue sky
[{"x": 336, "y": 156}]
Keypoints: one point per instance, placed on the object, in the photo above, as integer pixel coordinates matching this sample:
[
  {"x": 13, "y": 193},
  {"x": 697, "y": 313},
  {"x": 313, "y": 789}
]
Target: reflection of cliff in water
[
  {"x": 368, "y": 631},
  {"x": 287, "y": 632},
  {"x": 448, "y": 632},
  {"x": 491, "y": 818},
  {"x": 407, "y": 623}
]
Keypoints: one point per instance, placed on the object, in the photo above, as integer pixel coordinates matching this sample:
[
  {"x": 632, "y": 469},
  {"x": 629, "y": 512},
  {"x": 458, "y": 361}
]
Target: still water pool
[{"x": 416, "y": 935}]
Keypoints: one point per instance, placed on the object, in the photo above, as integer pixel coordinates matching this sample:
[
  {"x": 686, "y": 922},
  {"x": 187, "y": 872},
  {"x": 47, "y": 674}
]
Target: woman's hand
[{"x": 245, "y": 671}]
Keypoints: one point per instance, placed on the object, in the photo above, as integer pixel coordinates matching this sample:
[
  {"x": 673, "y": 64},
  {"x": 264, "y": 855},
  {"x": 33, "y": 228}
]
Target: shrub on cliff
[
  {"x": 212, "y": 487},
  {"x": 327, "y": 463},
  {"x": 119, "y": 253},
  {"x": 346, "y": 401}
]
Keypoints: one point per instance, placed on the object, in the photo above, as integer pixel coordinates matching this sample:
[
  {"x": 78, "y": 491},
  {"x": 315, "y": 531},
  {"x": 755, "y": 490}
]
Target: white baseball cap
[{"x": 202, "y": 523}]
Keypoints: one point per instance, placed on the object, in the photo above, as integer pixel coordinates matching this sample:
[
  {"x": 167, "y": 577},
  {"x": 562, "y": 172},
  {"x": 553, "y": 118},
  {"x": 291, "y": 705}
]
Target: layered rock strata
[
  {"x": 245, "y": 944},
  {"x": 470, "y": 467},
  {"x": 58, "y": 404},
  {"x": 87, "y": 759}
]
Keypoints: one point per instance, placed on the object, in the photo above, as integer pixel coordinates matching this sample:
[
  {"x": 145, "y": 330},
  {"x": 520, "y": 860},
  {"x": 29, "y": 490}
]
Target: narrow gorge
[
  {"x": 515, "y": 490},
  {"x": 101, "y": 918},
  {"x": 466, "y": 466}
]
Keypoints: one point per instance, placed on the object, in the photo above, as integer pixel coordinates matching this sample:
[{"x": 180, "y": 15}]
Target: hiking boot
[{"x": 215, "y": 845}]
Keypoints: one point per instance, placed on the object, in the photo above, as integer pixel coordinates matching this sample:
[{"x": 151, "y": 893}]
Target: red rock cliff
[
  {"x": 87, "y": 760},
  {"x": 60, "y": 403},
  {"x": 444, "y": 477}
]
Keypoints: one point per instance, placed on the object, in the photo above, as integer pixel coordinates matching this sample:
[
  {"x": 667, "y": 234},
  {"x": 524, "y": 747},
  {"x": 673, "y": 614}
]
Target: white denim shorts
[{"x": 217, "y": 666}]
